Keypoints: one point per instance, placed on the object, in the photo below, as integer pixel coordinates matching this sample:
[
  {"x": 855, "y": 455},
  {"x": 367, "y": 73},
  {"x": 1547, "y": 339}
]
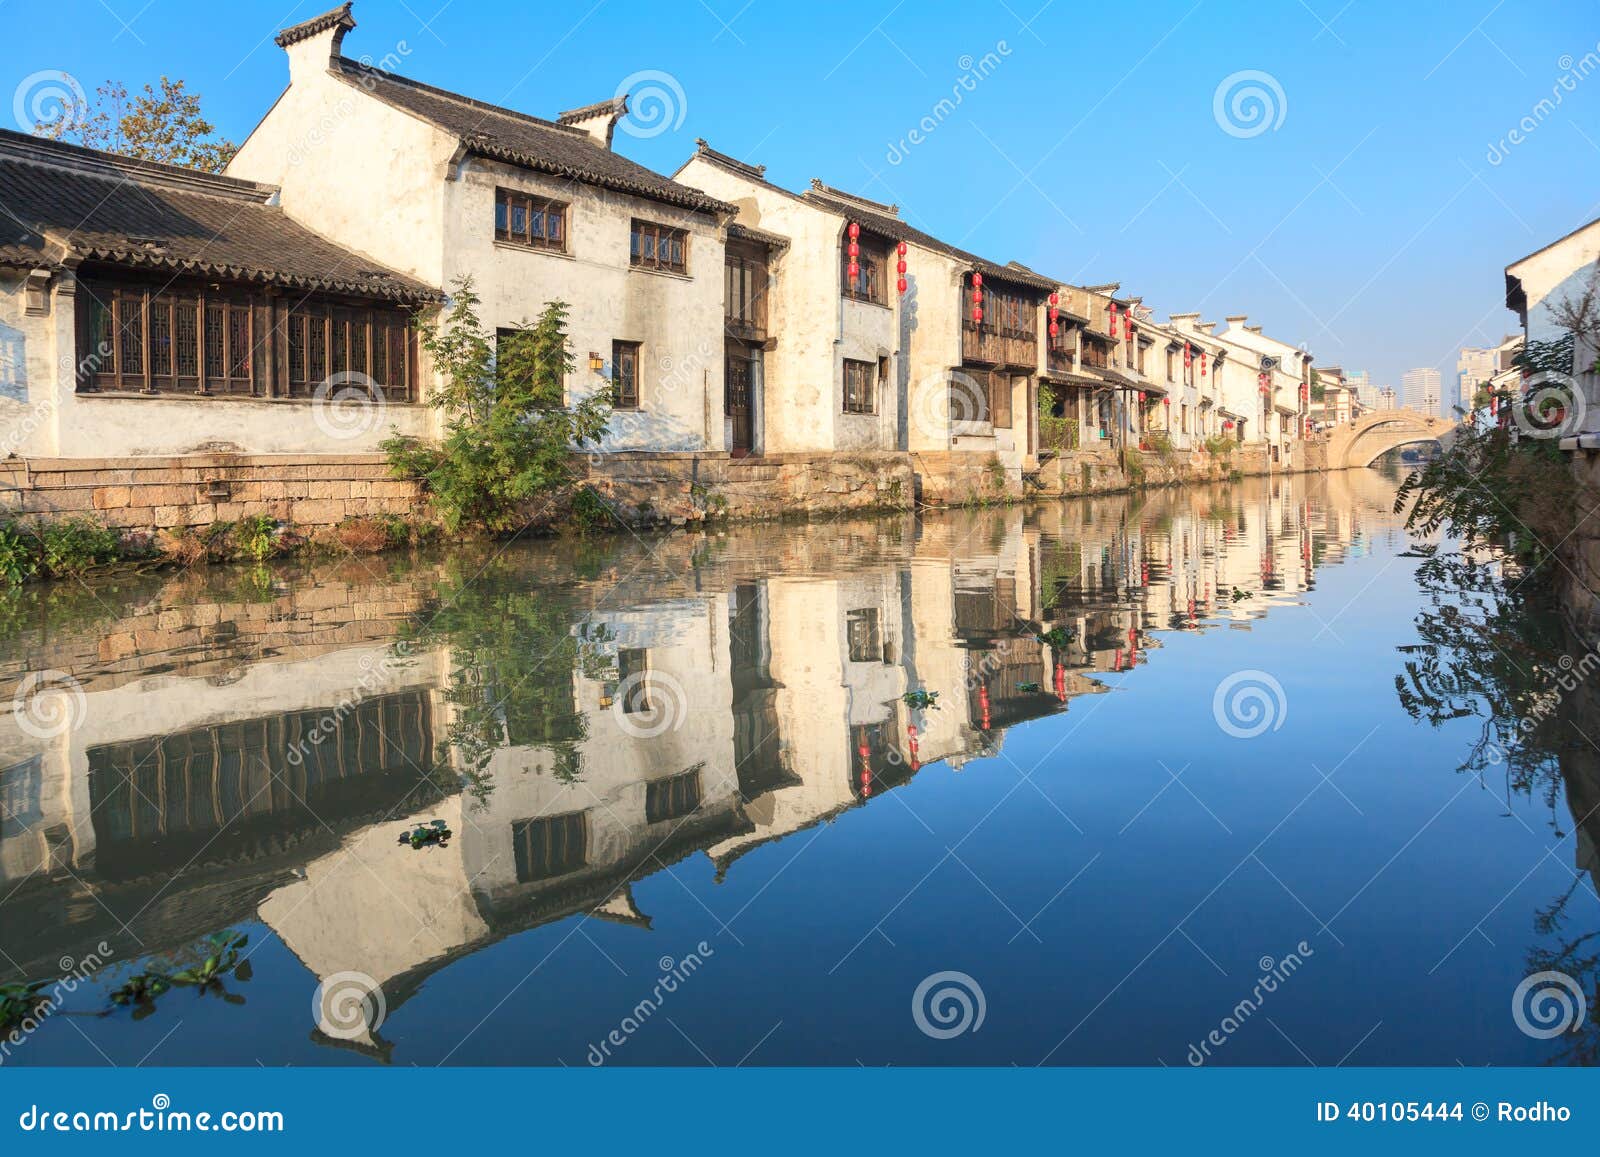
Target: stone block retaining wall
[{"x": 198, "y": 489}]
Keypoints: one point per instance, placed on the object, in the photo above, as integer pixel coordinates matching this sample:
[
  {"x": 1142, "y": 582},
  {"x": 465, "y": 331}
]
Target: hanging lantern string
[{"x": 900, "y": 268}]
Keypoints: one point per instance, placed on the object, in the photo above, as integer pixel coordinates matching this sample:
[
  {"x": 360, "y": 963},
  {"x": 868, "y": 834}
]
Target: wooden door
[{"x": 736, "y": 401}]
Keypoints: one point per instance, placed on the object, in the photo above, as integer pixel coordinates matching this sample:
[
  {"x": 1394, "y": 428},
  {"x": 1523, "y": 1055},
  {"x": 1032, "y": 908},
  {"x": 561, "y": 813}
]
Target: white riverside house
[
  {"x": 168, "y": 338},
  {"x": 856, "y": 363},
  {"x": 148, "y": 310},
  {"x": 444, "y": 187}
]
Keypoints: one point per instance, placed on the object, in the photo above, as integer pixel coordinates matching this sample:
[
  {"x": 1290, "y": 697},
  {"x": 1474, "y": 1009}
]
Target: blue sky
[{"x": 1366, "y": 219}]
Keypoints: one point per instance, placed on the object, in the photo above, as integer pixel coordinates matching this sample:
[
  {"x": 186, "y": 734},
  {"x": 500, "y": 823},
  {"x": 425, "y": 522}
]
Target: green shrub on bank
[
  {"x": 57, "y": 548},
  {"x": 508, "y": 436}
]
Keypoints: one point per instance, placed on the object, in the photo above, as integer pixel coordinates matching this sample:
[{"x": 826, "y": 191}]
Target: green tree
[
  {"x": 165, "y": 125},
  {"x": 508, "y": 439}
]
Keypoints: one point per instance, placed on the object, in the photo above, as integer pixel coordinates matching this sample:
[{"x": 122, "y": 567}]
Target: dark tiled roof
[
  {"x": 504, "y": 135},
  {"x": 334, "y": 18},
  {"x": 750, "y": 233},
  {"x": 894, "y": 229},
  {"x": 60, "y": 202},
  {"x": 882, "y": 220}
]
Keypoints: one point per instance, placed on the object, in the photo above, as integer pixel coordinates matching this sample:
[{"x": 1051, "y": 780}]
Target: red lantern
[
  {"x": 1141, "y": 397},
  {"x": 1202, "y": 363},
  {"x": 855, "y": 230},
  {"x": 1188, "y": 356},
  {"x": 977, "y": 280},
  {"x": 901, "y": 249},
  {"x": 901, "y": 285},
  {"x": 1166, "y": 401},
  {"x": 1228, "y": 425},
  {"x": 1054, "y": 329},
  {"x": 900, "y": 267},
  {"x": 855, "y": 249},
  {"x": 1111, "y": 308},
  {"x": 977, "y": 315}
]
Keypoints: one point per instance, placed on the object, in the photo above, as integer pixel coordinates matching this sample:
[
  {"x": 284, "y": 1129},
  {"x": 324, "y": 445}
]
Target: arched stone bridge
[{"x": 1364, "y": 442}]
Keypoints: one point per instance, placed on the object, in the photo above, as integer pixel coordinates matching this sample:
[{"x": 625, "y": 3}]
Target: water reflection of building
[{"x": 722, "y": 702}]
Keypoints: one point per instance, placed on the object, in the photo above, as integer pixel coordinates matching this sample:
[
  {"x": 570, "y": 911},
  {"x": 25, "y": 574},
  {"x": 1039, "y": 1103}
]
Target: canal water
[{"x": 1196, "y": 776}]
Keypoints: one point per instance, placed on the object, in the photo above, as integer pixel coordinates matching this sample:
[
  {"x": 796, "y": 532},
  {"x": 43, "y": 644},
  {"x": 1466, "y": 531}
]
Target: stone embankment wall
[
  {"x": 197, "y": 490},
  {"x": 692, "y": 487},
  {"x": 311, "y": 492}
]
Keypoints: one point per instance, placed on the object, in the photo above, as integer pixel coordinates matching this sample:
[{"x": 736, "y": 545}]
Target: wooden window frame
[
  {"x": 196, "y": 340},
  {"x": 673, "y": 797},
  {"x": 656, "y": 232},
  {"x": 624, "y": 352},
  {"x": 533, "y": 206},
  {"x": 865, "y": 400},
  {"x": 872, "y": 282}
]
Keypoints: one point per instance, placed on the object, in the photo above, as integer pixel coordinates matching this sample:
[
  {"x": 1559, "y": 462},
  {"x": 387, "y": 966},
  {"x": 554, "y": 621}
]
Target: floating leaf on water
[{"x": 921, "y": 698}]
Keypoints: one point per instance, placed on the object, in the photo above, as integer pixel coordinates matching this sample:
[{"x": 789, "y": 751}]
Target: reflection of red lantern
[{"x": 983, "y": 704}]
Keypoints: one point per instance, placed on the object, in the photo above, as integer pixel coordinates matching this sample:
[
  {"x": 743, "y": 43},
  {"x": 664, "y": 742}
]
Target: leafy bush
[
  {"x": 19, "y": 555},
  {"x": 72, "y": 546},
  {"x": 507, "y": 436}
]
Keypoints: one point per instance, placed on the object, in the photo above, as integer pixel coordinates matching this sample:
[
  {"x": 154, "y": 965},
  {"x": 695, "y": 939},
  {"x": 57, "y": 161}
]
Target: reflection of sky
[{"x": 1111, "y": 876}]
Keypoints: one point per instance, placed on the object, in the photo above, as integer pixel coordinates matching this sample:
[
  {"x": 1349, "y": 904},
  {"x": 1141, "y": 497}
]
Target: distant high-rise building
[
  {"x": 1474, "y": 368},
  {"x": 1361, "y": 383},
  {"x": 1419, "y": 390}
]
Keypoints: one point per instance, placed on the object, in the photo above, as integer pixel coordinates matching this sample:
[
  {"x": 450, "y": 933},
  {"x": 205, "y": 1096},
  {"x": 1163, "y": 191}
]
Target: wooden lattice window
[
  {"x": 859, "y": 379},
  {"x": 656, "y": 246},
  {"x": 625, "y": 375},
  {"x": 198, "y": 340},
  {"x": 673, "y": 797},
  {"x": 526, "y": 219},
  {"x": 550, "y": 846}
]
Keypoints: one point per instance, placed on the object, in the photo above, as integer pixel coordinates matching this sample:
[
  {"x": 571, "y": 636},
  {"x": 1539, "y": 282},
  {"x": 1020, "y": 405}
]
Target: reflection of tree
[
  {"x": 1494, "y": 649},
  {"x": 513, "y": 653}
]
